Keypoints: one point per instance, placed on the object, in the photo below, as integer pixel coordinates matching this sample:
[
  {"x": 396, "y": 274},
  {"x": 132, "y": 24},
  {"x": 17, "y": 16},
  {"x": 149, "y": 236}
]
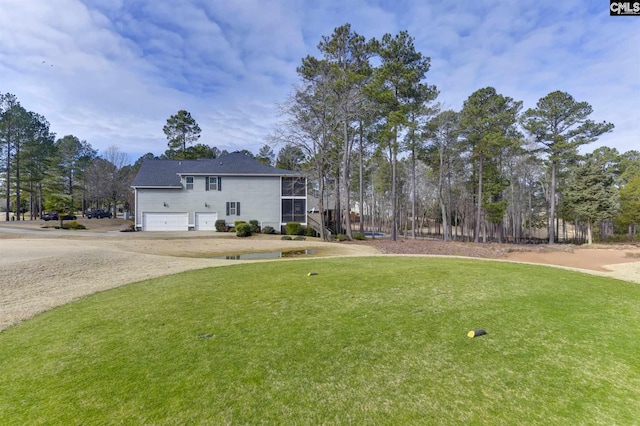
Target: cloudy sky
[{"x": 112, "y": 72}]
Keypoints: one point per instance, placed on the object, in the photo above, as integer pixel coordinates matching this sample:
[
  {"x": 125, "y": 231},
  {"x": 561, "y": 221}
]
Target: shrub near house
[
  {"x": 293, "y": 228},
  {"x": 221, "y": 225},
  {"x": 243, "y": 229}
]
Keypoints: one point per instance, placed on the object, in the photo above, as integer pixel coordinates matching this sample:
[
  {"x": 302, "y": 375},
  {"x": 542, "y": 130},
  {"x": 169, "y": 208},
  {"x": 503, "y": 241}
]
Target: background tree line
[
  {"x": 365, "y": 126},
  {"x": 370, "y": 133},
  {"x": 39, "y": 172}
]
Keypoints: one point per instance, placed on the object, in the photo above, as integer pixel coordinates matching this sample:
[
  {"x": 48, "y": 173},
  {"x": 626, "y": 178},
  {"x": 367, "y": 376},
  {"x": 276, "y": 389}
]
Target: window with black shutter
[
  {"x": 213, "y": 183},
  {"x": 233, "y": 208}
]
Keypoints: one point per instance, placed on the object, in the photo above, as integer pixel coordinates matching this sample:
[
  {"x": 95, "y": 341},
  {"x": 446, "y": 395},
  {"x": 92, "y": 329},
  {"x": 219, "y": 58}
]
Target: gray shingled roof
[{"x": 166, "y": 173}]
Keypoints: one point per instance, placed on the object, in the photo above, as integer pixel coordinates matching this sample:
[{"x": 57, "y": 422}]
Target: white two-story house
[{"x": 181, "y": 195}]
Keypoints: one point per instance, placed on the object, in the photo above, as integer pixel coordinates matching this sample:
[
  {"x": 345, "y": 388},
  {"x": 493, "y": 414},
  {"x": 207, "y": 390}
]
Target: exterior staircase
[{"x": 315, "y": 221}]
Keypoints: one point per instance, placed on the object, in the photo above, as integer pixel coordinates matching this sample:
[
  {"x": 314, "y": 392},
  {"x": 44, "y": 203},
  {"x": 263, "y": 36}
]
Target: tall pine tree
[{"x": 560, "y": 125}]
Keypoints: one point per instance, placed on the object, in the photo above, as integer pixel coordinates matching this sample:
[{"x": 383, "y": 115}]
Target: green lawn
[{"x": 366, "y": 341}]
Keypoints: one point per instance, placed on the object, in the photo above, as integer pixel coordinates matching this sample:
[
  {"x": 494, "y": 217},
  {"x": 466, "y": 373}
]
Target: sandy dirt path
[
  {"x": 595, "y": 259},
  {"x": 42, "y": 269},
  {"x": 40, "y": 272}
]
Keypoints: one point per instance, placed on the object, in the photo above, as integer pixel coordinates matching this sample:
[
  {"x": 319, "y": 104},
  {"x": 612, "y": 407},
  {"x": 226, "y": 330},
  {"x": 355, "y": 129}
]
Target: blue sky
[{"x": 112, "y": 72}]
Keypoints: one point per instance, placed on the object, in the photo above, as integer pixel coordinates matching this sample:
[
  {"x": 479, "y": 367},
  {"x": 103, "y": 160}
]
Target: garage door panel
[
  {"x": 165, "y": 222},
  {"x": 206, "y": 221}
]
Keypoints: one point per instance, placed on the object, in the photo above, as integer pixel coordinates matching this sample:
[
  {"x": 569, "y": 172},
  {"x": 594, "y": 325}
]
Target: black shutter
[
  {"x": 219, "y": 183},
  {"x": 238, "y": 208},
  {"x": 227, "y": 208},
  {"x": 207, "y": 183}
]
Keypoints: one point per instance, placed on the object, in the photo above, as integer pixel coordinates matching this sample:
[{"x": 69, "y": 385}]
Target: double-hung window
[
  {"x": 188, "y": 182},
  {"x": 214, "y": 183},
  {"x": 233, "y": 208}
]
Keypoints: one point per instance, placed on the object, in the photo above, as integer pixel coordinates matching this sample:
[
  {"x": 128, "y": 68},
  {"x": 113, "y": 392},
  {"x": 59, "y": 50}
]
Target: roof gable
[{"x": 166, "y": 173}]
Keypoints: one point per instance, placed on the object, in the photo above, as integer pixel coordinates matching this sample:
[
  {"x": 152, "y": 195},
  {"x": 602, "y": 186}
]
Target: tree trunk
[
  {"x": 40, "y": 200},
  {"x": 413, "y": 194},
  {"x": 373, "y": 209},
  {"x": 552, "y": 203},
  {"x": 18, "y": 200},
  {"x": 446, "y": 236},
  {"x": 484, "y": 231},
  {"x": 323, "y": 225},
  {"x": 346, "y": 166},
  {"x": 337, "y": 205},
  {"x": 361, "y": 179},
  {"x": 394, "y": 195},
  {"x": 449, "y": 207},
  {"x": 8, "y": 186},
  {"x": 589, "y": 232},
  {"x": 445, "y": 222},
  {"x": 31, "y": 200},
  {"x": 476, "y": 236}
]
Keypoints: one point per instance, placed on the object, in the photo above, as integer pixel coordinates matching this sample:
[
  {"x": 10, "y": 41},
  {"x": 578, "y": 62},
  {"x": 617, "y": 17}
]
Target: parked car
[
  {"x": 56, "y": 216},
  {"x": 50, "y": 216},
  {"x": 99, "y": 213}
]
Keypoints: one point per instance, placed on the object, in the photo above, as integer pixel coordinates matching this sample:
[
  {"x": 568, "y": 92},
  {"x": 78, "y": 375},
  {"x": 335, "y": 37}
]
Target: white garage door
[
  {"x": 206, "y": 221},
  {"x": 165, "y": 222}
]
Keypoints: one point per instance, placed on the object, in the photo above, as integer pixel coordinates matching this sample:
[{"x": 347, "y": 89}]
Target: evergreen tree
[
  {"x": 266, "y": 155},
  {"x": 398, "y": 87},
  {"x": 560, "y": 125},
  {"x": 37, "y": 154},
  {"x": 442, "y": 132},
  {"x": 11, "y": 114},
  {"x": 73, "y": 157},
  {"x": 290, "y": 157},
  {"x": 181, "y": 129},
  {"x": 591, "y": 193},
  {"x": 347, "y": 54},
  {"x": 487, "y": 123},
  {"x": 630, "y": 205}
]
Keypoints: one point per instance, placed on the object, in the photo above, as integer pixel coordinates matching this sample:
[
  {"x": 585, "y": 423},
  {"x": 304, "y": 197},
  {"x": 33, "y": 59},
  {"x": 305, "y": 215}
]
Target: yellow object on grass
[{"x": 475, "y": 333}]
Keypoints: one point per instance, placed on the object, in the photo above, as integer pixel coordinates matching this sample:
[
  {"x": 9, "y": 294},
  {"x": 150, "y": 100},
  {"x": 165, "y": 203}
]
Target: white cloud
[{"x": 113, "y": 72}]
